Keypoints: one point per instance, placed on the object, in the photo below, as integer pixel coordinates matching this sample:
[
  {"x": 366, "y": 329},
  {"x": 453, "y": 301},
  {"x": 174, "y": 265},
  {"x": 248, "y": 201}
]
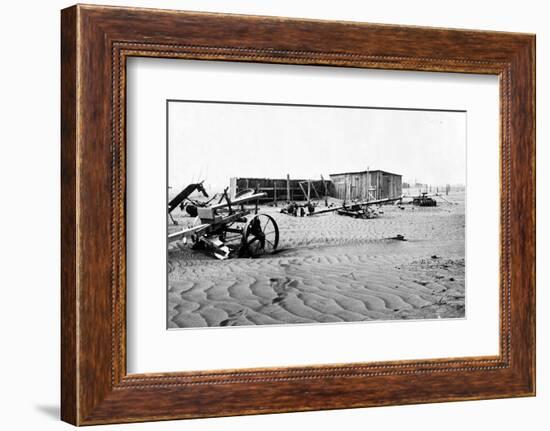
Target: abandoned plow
[{"x": 228, "y": 229}]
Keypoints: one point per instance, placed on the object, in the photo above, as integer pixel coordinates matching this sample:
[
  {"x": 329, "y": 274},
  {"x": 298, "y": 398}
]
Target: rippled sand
[{"x": 330, "y": 268}]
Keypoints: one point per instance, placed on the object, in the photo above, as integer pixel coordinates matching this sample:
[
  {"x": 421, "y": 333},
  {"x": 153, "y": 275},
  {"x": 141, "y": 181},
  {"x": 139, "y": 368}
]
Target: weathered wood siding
[
  {"x": 276, "y": 189},
  {"x": 357, "y": 185}
]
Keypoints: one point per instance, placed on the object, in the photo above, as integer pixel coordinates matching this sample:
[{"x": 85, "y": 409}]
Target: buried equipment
[
  {"x": 225, "y": 229},
  {"x": 358, "y": 209},
  {"x": 181, "y": 197},
  {"x": 423, "y": 200}
]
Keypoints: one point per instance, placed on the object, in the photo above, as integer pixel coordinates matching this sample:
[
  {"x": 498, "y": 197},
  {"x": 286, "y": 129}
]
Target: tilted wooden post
[
  {"x": 304, "y": 193},
  {"x": 258, "y": 199},
  {"x": 275, "y": 192},
  {"x": 308, "y": 191}
]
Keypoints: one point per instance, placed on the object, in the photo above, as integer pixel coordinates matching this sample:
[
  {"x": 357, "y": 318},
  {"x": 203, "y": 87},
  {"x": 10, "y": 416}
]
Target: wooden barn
[
  {"x": 284, "y": 189},
  {"x": 365, "y": 185}
]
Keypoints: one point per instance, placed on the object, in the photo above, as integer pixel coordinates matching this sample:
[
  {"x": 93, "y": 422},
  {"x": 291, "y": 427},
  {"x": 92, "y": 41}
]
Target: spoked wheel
[{"x": 260, "y": 236}]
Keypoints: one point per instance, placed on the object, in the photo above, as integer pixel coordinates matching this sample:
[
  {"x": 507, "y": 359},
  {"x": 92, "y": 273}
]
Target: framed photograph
[{"x": 266, "y": 215}]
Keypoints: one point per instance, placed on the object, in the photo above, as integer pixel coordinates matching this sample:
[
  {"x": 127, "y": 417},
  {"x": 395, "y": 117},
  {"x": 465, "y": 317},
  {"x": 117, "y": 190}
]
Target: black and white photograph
[{"x": 283, "y": 214}]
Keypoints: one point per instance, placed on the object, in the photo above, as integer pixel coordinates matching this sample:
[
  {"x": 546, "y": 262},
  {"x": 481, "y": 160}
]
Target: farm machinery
[
  {"x": 362, "y": 209},
  {"x": 230, "y": 229},
  {"x": 298, "y": 209},
  {"x": 429, "y": 200},
  {"x": 423, "y": 200},
  {"x": 184, "y": 202}
]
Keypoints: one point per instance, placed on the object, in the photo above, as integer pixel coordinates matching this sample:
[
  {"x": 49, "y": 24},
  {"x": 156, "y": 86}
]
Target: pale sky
[{"x": 213, "y": 142}]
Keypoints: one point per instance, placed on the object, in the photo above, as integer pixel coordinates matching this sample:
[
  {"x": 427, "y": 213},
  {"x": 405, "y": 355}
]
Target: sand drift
[{"x": 329, "y": 269}]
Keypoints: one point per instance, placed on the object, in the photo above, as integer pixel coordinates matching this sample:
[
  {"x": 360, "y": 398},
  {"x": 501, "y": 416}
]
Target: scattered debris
[{"x": 365, "y": 213}]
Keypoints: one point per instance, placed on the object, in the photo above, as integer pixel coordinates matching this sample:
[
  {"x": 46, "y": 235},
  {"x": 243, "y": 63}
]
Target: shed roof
[{"x": 364, "y": 172}]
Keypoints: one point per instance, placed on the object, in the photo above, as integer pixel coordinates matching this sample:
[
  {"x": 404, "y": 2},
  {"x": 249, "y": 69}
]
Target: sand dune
[{"x": 331, "y": 269}]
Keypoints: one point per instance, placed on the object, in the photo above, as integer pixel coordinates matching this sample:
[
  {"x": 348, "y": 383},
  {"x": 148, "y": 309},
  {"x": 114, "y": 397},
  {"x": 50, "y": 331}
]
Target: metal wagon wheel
[{"x": 260, "y": 236}]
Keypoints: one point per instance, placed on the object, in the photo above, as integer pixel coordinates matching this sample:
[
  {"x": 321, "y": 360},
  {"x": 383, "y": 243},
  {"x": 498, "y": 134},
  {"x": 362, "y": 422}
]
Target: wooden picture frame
[{"x": 95, "y": 43}]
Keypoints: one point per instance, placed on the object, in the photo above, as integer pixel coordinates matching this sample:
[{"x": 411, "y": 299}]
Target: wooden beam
[
  {"x": 314, "y": 190},
  {"x": 303, "y": 190},
  {"x": 239, "y": 201}
]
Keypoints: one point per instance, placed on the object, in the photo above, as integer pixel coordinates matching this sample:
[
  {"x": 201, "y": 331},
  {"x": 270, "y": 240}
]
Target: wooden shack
[
  {"x": 284, "y": 189},
  {"x": 366, "y": 185}
]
